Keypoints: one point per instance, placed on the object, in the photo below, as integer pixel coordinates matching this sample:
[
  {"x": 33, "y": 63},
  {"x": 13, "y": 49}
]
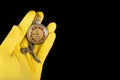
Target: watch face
[{"x": 37, "y": 33}]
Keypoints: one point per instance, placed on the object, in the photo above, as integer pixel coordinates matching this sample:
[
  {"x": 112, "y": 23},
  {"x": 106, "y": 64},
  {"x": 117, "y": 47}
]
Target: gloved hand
[{"x": 17, "y": 66}]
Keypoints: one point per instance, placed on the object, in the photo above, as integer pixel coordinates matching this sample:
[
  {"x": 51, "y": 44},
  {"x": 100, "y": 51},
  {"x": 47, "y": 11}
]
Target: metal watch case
[{"x": 37, "y": 33}]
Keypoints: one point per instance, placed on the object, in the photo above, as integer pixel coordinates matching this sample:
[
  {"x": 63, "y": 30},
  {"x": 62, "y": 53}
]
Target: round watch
[{"x": 37, "y": 33}]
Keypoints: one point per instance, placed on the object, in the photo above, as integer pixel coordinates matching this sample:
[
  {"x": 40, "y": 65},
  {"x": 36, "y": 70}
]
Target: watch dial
[{"x": 36, "y": 34}]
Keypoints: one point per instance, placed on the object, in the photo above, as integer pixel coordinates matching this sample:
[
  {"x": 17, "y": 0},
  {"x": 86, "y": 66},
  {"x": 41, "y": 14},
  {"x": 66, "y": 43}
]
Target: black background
[
  {"x": 80, "y": 47},
  {"x": 60, "y": 63}
]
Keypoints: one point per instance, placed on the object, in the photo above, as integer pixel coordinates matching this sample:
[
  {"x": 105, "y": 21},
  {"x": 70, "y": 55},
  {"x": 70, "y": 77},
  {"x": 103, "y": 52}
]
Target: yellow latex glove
[{"x": 17, "y": 66}]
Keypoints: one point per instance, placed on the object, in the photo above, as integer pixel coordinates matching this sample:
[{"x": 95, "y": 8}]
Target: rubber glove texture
[{"x": 17, "y": 66}]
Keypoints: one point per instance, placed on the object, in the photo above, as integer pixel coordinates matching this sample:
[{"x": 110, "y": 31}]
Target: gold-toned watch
[{"x": 36, "y": 34}]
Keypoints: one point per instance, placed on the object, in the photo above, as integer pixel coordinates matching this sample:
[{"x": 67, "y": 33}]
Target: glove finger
[
  {"x": 24, "y": 42},
  {"x": 51, "y": 27},
  {"x": 41, "y": 16},
  {"x": 27, "y": 21},
  {"x": 9, "y": 43},
  {"x": 46, "y": 46}
]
